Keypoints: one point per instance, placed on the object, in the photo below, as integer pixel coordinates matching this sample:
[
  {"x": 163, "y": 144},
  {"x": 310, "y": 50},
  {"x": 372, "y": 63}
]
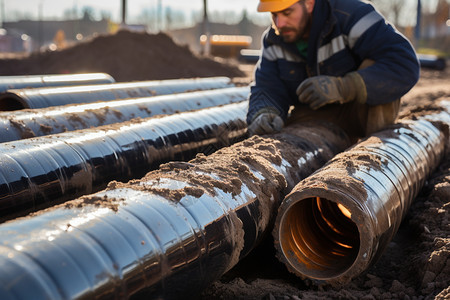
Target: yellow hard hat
[{"x": 274, "y": 5}]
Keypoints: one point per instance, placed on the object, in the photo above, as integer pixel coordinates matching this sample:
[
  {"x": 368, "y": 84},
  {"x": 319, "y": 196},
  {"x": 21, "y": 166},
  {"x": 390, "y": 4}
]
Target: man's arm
[
  {"x": 396, "y": 69},
  {"x": 268, "y": 90},
  {"x": 370, "y": 38}
]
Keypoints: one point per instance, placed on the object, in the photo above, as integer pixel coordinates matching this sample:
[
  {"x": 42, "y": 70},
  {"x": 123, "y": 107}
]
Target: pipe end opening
[
  {"x": 10, "y": 104},
  {"x": 318, "y": 238}
]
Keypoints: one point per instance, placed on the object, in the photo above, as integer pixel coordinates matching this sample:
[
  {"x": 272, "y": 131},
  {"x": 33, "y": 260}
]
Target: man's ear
[{"x": 310, "y": 5}]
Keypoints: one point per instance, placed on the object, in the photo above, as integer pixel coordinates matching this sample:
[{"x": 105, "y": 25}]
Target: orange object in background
[
  {"x": 227, "y": 45},
  {"x": 60, "y": 39}
]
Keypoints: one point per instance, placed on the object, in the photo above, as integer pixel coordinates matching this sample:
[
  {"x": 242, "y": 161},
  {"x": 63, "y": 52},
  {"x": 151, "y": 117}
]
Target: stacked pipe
[
  {"x": 40, "y": 172},
  {"x": 337, "y": 222},
  {"x": 57, "y": 96},
  {"x": 37, "y": 81},
  {"x": 57, "y": 119},
  {"x": 168, "y": 235},
  {"x": 432, "y": 62}
]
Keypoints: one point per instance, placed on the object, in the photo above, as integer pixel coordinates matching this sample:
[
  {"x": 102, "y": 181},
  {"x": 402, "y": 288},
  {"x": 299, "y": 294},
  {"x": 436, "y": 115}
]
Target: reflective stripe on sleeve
[
  {"x": 361, "y": 26},
  {"x": 337, "y": 44},
  {"x": 275, "y": 52}
]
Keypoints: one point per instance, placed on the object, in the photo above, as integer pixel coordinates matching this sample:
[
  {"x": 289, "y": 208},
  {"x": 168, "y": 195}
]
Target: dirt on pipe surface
[{"x": 416, "y": 264}]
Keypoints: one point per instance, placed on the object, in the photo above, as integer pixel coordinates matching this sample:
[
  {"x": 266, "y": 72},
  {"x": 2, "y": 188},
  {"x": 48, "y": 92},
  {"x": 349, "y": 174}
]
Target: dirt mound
[{"x": 127, "y": 56}]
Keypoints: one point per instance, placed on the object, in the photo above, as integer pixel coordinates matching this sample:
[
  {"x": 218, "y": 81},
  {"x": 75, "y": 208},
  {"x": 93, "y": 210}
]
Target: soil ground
[{"x": 416, "y": 264}]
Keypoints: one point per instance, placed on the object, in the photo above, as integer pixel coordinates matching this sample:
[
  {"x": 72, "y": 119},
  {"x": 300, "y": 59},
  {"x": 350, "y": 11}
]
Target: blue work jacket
[{"x": 343, "y": 34}]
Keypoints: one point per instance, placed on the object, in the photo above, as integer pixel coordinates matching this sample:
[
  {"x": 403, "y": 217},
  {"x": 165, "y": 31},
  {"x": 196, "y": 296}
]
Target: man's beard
[{"x": 293, "y": 36}]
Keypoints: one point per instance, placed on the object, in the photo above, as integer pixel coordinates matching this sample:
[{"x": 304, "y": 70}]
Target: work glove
[
  {"x": 266, "y": 120},
  {"x": 321, "y": 90}
]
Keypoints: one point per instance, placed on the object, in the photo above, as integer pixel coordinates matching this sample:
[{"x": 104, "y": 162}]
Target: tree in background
[
  {"x": 435, "y": 16},
  {"x": 397, "y": 11},
  {"x": 442, "y": 15},
  {"x": 435, "y": 31}
]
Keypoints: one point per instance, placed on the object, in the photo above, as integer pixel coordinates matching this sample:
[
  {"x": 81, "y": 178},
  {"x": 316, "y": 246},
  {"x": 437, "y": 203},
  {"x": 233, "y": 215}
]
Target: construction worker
[{"x": 337, "y": 60}]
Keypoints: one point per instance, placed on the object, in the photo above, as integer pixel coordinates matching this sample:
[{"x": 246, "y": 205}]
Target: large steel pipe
[
  {"x": 37, "y": 81},
  {"x": 57, "y": 119},
  {"x": 57, "y": 96},
  {"x": 337, "y": 222},
  {"x": 165, "y": 236},
  {"x": 40, "y": 172}
]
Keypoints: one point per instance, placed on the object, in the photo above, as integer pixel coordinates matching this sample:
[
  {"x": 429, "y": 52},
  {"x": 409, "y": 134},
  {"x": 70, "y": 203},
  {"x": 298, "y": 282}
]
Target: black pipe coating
[
  {"x": 46, "y": 121},
  {"x": 40, "y": 172},
  {"x": 37, "y": 81},
  {"x": 168, "y": 235},
  {"x": 57, "y": 96}
]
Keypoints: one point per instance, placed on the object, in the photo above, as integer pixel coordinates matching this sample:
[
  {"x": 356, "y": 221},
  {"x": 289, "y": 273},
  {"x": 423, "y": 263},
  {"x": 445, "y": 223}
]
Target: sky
[{"x": 54, "y": 9}]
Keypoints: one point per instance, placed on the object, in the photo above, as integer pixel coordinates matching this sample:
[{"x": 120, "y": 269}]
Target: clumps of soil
[
  {"x": 25, "y": 131},
  {"x": 83, "y": 201},
  {"x": 75, "y": 119},
  {"x": 45, "y": 128},
  {"x": 226, "y": 170},
  {"x": 126, "y": 56},
  {"x": 354, "y": 161},
  {"x": 103, "y": 201}
]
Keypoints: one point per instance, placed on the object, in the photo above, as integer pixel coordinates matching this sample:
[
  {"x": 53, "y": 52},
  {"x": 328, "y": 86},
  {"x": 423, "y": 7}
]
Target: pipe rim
[{"x": 358, "y": 260}]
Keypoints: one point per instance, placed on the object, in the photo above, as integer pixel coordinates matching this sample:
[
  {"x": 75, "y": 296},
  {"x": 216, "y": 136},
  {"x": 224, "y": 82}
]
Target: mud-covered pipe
[
  {"x": 40, "y": 172},
  {"x": 167, "y": 235},
  {"x": 337, "y": 222},
  {"x": 45, "y": 121},
  {"x": 37, "y": 81},
  {"x": 57, "y": 96}
]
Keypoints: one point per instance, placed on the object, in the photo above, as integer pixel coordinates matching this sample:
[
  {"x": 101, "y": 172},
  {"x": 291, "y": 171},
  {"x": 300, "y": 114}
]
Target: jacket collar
[{"x": 322, "y": 25}]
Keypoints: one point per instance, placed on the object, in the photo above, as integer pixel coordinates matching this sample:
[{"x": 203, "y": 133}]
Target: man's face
[{"x": 293, "y": 22}]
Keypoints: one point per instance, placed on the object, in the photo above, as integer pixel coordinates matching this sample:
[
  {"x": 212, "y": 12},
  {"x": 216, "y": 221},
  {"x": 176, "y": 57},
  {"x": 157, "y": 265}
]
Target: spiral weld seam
[
  {"x": 337, "y": 222},
  {"x": 40, "y": 172},
  {"x": 168, "y": 235},
  {"x": 63, "y": 95},
  {"x": 57, "y": 119}
]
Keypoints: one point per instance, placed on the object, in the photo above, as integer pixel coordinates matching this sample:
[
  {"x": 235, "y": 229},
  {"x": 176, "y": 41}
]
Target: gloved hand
[
  {"x": 321, "y": 90},
  {"x": 266, "y": 120}
]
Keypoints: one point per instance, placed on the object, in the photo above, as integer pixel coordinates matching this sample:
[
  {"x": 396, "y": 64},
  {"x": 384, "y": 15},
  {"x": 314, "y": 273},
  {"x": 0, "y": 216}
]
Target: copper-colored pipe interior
[{"x": 319, "y": 238}]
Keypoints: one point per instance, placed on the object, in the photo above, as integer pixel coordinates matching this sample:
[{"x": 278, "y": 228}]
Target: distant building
[
  {"x": 43, "y": 32},
  {"x": 191, "y": 36},
  {"x": 14, "y": 40}
]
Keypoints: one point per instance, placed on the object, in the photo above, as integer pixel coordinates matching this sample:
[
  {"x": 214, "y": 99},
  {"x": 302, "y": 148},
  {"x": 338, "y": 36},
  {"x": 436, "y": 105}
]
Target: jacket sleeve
[
  {"x": 268, "y": 90},
  {"x": 396, "y": 69}
]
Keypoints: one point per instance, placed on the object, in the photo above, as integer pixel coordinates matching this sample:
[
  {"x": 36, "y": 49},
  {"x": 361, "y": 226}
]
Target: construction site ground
[{"x": 416, "y": 264}]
